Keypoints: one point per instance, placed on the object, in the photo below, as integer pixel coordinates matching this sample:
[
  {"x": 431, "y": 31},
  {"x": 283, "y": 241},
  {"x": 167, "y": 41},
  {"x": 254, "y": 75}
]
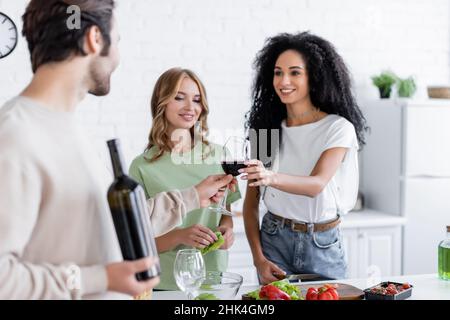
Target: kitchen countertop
[
  {"x": 366, "y": 218},
  {"x": 370, "y": 218},
  {"x": 425, "y": 287}
]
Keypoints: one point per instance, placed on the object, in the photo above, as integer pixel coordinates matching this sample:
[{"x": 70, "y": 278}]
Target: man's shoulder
[
  {"x": 8, "y": 111},
  {"x": 14, "y": 112},
  {"x": 13, "y": 125}
]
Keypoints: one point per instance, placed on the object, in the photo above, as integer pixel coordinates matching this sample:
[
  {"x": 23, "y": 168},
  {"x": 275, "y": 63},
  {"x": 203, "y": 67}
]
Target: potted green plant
[
  {"x": 406, "y": 87},
  {"x": 384, "y": 82}
]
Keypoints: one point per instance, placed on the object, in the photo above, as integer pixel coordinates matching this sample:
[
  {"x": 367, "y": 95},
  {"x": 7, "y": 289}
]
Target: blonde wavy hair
[{"x": 166, "y": 88}]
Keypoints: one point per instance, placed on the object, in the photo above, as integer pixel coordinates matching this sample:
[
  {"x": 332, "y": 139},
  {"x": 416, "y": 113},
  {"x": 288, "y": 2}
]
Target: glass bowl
[{"x": 219, "y": 286}]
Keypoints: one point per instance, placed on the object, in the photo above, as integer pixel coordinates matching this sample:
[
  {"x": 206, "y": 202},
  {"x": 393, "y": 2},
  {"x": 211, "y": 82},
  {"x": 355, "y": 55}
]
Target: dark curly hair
[
  {"x": 48, "y": 36},
  {"x": 329, "y": 83}
]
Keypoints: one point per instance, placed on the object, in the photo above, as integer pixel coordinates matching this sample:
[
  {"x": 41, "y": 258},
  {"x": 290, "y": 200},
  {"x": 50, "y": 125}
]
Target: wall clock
[{"x": 8, "y": 35}]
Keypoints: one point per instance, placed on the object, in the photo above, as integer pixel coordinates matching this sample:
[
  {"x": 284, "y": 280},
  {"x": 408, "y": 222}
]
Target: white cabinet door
[
  {"x": 379, "y": 251},
  {"x": 427, "y": 136},
  {"x": 427, "y": 209},
  {"x": 350, "y": 242}
]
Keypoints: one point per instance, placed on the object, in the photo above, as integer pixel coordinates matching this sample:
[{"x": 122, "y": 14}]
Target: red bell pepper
[
  {"x": 327, "y": 292},
  {"x": 312, "y": 294},
  {"x": 271, "y": 292}
]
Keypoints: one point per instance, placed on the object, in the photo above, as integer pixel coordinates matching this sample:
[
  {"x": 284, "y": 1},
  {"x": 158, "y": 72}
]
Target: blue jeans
[{"x": 298, "y": 252}]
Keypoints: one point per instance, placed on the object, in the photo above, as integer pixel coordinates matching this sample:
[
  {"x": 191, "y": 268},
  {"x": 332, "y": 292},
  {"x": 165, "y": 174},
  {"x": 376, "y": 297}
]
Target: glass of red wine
[{"x": 234, "y": 153}]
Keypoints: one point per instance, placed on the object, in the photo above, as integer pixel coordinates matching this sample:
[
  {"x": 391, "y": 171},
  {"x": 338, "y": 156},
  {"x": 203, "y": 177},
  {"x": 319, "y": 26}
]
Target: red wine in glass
[
  {"x": 235, "y": 148},
  {"x": 232, "y": 167}
]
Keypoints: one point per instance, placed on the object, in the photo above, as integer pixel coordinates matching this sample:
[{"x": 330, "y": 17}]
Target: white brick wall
[{"x": 218, "y": 39}]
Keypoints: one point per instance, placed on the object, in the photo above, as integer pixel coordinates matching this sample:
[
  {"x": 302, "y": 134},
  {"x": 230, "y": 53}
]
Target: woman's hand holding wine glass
[
  {"x": 211, "y": 189},
  {"x": 234, "y": 153},
  {"x": 257, "y": 174}
]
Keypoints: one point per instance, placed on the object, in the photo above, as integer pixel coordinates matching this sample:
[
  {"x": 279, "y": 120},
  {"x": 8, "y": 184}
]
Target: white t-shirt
[{"x": 301, "y": 148}]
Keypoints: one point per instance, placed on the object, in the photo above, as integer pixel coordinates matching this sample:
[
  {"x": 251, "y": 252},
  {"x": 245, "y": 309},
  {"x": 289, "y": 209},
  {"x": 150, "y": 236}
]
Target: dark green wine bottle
[{"x": 130, "y": 214}]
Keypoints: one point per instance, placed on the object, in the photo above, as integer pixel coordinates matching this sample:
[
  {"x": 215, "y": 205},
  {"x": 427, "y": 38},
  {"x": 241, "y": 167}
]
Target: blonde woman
[{"x": 174, "y": 159}]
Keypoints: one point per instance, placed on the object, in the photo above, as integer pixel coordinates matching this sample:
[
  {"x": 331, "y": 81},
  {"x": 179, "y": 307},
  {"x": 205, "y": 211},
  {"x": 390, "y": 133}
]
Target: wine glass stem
[
  {"x": 223, "y": 201},
  {"x": 190, "y": 295}
]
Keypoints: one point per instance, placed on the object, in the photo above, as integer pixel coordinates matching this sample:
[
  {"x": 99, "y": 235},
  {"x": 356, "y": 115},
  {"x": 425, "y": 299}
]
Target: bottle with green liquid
[{"x": 444, "y": 257}]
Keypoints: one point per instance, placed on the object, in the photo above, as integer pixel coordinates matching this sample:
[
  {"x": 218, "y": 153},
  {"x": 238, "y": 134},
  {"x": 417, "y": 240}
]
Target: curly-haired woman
[
  {"x": 177, "y": 156},
  {"x": 303, "y": 89}
]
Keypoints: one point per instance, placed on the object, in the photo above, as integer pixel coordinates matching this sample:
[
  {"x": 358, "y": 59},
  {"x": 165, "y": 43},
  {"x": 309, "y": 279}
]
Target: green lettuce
[
  {"x": 215, "y": 245},
  {"x": 292, "y": 290},
  {"x": 206, "y": 296},
  {"x": 254, "y": 294}
]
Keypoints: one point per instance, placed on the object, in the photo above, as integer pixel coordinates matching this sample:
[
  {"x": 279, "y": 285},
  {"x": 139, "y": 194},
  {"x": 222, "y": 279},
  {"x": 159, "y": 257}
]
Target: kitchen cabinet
[
  {"x": 379, "y": 252},
  {"x": 372, "y": 243},
  {"x": 350, "y": 242},
  {"x": 372, "y": 251},
  {"x": 406, "y": 172}
]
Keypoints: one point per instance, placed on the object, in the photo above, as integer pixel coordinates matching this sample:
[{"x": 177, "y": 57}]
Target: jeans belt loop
[
  {"x": 310, "y": 227},
  {"x": 282, "y": 222},
  {"x": 292, "y": 225}
]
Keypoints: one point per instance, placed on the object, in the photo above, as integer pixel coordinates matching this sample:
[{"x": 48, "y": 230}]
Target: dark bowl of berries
[{"x": 389, "y": 291}]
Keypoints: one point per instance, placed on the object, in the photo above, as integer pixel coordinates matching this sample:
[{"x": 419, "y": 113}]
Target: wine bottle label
[{"x": 145, "y": 218}]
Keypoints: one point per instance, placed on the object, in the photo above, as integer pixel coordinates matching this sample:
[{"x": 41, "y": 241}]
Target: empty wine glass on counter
[{"x": 189, "y": 271}]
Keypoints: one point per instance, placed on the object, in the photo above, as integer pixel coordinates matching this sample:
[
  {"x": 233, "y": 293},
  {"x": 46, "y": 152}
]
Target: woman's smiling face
[
  {"x": 184, "y": 110},
  {"x": 290, "y": 77}
]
